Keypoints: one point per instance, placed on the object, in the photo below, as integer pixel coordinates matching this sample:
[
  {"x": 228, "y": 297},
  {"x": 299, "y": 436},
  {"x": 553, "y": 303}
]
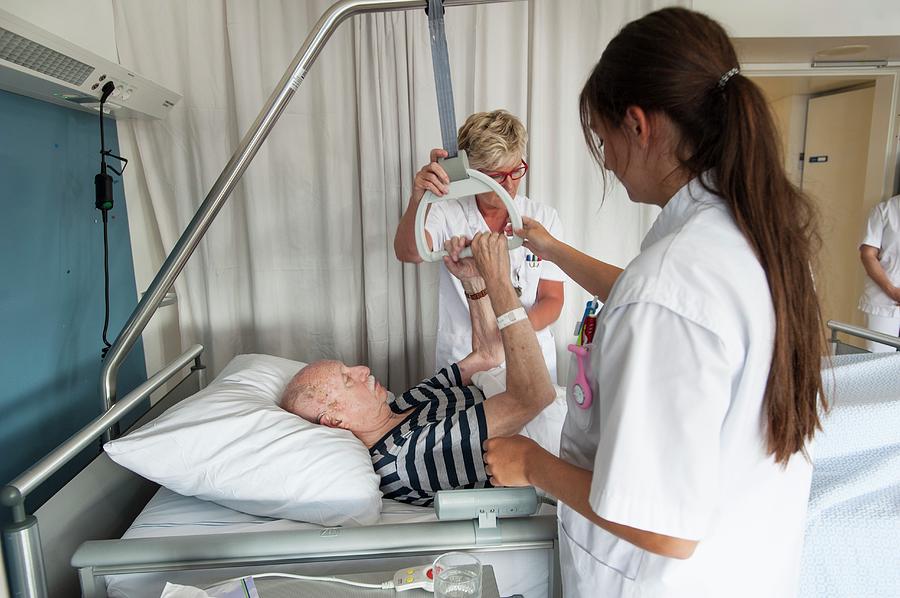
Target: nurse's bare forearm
[
  {"x": 869, "y": 257},
  {"x": 572, "y": 485},
  {"x": 594, "y": 276},
  {"x": 548, "y": 304},
  {"x": 543, "y": 313},
  {"x": 405, "y": 238}
]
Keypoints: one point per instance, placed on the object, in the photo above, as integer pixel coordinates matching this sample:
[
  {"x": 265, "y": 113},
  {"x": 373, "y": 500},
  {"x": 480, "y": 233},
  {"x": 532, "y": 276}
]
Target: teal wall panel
[{"x": 51, "y": 295}]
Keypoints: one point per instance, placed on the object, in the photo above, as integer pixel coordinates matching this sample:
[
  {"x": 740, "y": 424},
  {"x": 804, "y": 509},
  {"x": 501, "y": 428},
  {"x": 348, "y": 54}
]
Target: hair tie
[{"x": 724, "y": 79}]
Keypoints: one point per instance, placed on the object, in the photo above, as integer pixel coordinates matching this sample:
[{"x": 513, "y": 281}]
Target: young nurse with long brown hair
[{"x": 685, "y": 475}]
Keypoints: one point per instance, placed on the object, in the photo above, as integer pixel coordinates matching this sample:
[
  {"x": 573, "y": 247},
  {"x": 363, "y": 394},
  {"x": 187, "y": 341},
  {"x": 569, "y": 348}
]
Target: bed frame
[
  {"x": 842, "y": 348},
  {"x": 326, "y": 546}
]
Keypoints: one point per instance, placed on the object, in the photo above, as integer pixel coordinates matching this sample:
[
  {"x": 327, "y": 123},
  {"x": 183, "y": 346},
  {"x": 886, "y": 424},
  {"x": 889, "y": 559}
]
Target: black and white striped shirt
[{"x": 439, "y": 444}]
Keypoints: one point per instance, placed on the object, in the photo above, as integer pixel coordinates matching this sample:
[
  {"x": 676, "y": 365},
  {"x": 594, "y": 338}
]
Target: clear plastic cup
[{"x": 457, "y": 575}]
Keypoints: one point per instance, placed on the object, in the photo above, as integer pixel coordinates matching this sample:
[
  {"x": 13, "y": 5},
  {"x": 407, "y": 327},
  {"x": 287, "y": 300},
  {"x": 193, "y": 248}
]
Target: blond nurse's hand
[
  {"x": 507, "y": 459},
  {"x": 491, "y": 254},
  {"x": 537, "y": 239},
  {"x": 432, "y": 177}
]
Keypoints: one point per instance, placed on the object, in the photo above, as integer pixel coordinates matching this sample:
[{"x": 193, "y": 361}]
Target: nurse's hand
[
  {"x": 432, "y": 177},
  {"x": 462, "y": 268},
  {"x": 537, "y": 239},
  {"x": 491, "y": 253},
  {"x": 507, "y": 459}
]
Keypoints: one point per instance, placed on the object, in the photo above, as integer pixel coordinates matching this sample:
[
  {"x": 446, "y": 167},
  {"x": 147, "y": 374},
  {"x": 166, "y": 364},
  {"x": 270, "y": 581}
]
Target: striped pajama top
[{"x": 439, "y": 444}]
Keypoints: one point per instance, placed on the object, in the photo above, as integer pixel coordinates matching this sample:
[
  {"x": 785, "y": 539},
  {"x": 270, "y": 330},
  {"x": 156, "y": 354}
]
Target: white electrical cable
[{"x": 388, "y": 585}]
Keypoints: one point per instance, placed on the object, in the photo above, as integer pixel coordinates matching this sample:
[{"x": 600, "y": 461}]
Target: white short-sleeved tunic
[
  {"x": 460, "y": 217},
  {"x": 883, "y": 233},
  {"x": 675, "y": 435}
]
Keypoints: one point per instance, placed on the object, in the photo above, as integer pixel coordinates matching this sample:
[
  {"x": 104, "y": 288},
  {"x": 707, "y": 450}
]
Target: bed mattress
[{"x": 525, "y": 572}]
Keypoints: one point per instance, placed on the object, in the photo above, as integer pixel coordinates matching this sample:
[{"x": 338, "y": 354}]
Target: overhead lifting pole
[{"x": 232, "y": 172}]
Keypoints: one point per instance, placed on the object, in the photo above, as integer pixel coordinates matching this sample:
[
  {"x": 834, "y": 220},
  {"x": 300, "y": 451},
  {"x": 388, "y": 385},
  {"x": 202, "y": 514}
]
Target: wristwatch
[{"x": 477, "y": 295}]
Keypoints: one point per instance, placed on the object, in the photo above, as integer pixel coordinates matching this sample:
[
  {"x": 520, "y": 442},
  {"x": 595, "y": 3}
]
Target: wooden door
[{"x": 834, "y": 175}]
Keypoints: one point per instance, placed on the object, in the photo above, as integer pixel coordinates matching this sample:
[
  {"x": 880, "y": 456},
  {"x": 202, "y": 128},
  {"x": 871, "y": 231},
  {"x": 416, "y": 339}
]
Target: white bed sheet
[{"x": 168, "y": 514}]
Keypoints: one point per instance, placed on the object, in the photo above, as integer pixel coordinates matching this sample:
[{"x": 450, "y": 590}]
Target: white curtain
[{"x": 299, "y": 262}]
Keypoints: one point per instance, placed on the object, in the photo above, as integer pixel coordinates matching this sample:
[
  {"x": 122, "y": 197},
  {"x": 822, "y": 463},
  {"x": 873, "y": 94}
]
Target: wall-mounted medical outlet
[{"x": 39, "y": 64}]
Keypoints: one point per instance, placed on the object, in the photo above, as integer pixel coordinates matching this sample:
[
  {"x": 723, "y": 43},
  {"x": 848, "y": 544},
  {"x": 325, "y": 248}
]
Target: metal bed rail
[
  {"x": 233, "y": 171},
  {"x": 21, "y": 538},
  {"x": 863, "y": 333},
  {"x": 96, "y": 559}
]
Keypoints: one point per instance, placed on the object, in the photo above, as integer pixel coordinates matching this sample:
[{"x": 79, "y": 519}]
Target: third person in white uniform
[
  {"x": 880, "y": 255},
  {"x": 685, "y": 476}
]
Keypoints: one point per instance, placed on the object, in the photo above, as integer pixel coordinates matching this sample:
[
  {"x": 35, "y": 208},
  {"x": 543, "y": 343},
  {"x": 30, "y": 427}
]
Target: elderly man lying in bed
[{"x": 430, "y": 437}]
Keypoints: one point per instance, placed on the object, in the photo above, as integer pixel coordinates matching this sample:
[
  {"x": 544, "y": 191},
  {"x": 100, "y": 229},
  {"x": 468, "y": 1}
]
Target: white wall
[
  {"x": 880, "y": 174},
  {"x": 804, "y": 18},
  {"x": 89, "y": 23}
]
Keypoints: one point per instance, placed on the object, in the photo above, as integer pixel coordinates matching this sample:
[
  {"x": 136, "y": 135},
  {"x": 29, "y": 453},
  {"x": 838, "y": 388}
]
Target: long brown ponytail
[{"x": 679, "y": 62}]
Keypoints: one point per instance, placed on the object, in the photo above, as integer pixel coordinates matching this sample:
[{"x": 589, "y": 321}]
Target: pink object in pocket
[{"x": 580, "y": 387}]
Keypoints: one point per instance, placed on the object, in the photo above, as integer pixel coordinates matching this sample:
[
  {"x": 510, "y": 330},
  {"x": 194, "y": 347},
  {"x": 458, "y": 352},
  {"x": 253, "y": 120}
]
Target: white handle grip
[{"x": 478, "y": 182}]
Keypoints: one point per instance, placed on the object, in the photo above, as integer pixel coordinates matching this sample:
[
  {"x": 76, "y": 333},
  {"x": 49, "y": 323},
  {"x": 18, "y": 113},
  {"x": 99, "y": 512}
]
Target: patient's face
[{"x": 340, "y": 396}]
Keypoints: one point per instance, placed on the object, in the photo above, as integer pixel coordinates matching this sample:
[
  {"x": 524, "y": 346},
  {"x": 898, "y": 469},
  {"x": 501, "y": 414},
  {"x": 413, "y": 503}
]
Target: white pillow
[{"x": 231, "y": 443}]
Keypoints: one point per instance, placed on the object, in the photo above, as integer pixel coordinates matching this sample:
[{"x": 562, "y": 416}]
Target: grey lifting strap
[
  {"x": 441, "y": 62},
  {"x": 464, "y": 182}
]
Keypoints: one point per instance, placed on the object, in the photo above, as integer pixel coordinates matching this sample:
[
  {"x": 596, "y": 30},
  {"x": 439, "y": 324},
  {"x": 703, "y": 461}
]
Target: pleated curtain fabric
[{"x": 300, "y": 262}]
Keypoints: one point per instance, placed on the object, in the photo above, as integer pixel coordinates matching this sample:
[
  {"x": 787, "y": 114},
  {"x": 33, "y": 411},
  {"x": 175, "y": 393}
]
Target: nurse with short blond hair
[{"x": 495, "y": 143}]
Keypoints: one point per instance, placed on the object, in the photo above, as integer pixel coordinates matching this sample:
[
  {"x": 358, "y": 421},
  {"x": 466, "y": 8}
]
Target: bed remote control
[{"x": 414, "y": 577}]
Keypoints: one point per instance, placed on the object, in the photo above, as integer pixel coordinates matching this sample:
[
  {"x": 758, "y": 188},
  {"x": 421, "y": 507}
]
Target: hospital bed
[
  {"x": 851, "y": 547},
  {"x": 179, "y": 539},
  {"x": 176, "y": 535}
]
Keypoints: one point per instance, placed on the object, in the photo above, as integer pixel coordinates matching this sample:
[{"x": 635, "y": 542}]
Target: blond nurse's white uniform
[
  {"x": 883, "y": 233},
  {"x": 675, "y": 433},
  {"x": 461, "y": 218}
]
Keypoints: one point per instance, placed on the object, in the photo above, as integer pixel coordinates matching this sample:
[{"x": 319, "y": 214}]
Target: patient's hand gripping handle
[{"x": 476, "y": 182}]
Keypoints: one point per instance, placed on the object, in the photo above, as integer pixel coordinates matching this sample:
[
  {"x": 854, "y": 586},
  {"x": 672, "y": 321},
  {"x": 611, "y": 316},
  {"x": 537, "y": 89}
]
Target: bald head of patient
[{"x": 336, "y": 395}]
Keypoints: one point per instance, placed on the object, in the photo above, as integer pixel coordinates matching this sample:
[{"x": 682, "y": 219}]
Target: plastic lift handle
[{"x": 475, "y": 182}]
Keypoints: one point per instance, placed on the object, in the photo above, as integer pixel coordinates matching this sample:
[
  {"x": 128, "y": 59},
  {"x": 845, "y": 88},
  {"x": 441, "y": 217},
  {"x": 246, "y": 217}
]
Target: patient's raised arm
[
  {"x": 487, "y": 347},
  {"x": 528, "y": 386}
]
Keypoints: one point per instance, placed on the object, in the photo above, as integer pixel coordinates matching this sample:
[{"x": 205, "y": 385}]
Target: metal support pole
[
  {"x": 201, "y": 372},
  {"x": 233, "y": 171},
  {"x": 24, "y": 559}
]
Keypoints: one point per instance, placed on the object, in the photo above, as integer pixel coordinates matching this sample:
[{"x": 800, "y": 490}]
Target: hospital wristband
[{"x": 511, "y": 317}]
